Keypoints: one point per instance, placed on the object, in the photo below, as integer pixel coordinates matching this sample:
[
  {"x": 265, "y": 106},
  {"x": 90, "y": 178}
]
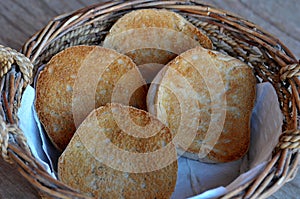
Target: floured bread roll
[
  {"x": 77, "y": 80},
  {"x": 154, "y": 36},
  {"x": 206, "y": 99},
  {"x": 111, "y": 156}
]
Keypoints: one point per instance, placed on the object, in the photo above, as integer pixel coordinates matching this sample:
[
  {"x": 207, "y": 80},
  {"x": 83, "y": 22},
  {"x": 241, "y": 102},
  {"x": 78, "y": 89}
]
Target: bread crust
[
  {"x": 154, "y": 36},
  {"x": 205, "y": 71},
  {"x": 64, "y": 84},
  {"x": 83, "y": 165}
]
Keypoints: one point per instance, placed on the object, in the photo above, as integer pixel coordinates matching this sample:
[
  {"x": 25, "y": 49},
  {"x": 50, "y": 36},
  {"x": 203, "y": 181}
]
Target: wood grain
[
  {"x": 279, "y": 17},
  {"x": 20, "y": 19}
]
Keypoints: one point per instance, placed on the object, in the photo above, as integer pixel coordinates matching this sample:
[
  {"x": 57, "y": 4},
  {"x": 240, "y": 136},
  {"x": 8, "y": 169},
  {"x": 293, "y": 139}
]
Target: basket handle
[
  {"x": 290, "y": 139},
  {"x": 15, "y": 75},
  {"x": 289, "y": 71},
  {"x": 9, "y": 57}
]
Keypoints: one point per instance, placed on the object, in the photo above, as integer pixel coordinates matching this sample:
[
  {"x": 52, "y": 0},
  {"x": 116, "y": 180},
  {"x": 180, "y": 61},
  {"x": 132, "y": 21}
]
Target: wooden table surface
[{"x": 22, "y": 18}]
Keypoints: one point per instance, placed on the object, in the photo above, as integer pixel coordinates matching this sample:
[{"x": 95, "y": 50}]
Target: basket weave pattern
[{"x": 270, "y": 60}]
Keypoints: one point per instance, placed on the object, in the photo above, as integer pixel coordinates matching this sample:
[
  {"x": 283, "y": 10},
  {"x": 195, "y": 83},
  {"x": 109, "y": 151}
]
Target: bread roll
[
  {"x": 206, "y": 99},
  {"x": 79, "y": 79},
  {"x": 105, "y": 160},
  {"x": 154, "y": 36}
]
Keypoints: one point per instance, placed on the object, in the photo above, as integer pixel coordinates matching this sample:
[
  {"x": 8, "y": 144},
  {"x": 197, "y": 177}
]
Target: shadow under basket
[{"x": 270, "y": 60}]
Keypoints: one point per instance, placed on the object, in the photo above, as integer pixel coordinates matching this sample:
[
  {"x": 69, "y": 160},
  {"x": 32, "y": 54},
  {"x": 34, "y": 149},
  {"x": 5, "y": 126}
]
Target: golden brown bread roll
[
  {"x": 154, "y": 36},
  {"x": 105, "y": 160},
  {"x": 79, "y": 79},
  {"x": 206, "y": 99}
]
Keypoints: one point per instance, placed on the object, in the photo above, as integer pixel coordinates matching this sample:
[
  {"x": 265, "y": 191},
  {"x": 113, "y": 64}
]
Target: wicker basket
[{"x": 270, "y": 59}]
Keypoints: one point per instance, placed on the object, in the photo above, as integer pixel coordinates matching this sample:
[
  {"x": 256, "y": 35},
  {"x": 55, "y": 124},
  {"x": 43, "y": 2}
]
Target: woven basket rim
[{"x": 278, "y": 63}]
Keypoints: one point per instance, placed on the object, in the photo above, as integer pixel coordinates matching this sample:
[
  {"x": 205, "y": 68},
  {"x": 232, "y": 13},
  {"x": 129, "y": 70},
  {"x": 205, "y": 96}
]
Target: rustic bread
[
  {"x": 206, "y": 99},
  {"x": 77, "y": 80},
  {"x": 99, "y": 159},
  {"x": 154, "y": 36}
]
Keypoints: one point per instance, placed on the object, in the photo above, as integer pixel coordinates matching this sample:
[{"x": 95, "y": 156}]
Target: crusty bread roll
[
  {"x": 206, "y": 99},
  {"x": 110, "y": 156},
  {"x": 79, "y": 79},
  {"x": 154, "y": 36}
]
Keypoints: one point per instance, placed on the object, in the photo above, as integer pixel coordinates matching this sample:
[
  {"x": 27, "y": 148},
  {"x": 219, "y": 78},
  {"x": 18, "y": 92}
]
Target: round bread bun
[
  {"x": 154, "y": 36},
  {"x": 79, "y": 79},
  {"x": 104, "y": 159},
  {"x": 206, "y": 99}
]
